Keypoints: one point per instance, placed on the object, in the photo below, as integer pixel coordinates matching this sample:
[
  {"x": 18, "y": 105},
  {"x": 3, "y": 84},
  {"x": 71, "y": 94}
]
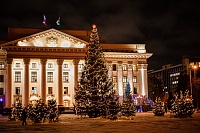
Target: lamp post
[{"x": 194, "y": 67}]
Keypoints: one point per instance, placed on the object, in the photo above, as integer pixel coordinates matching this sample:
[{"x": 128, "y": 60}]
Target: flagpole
[
  {"x": 44, "y": 21},
  {"x": 58, "y": 22}
]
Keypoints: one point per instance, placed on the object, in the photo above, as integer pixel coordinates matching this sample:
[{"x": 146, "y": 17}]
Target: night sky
[{"x": 169, "y": 28}]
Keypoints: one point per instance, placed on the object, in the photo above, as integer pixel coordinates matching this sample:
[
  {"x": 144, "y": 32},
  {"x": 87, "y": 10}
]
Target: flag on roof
[
  {"x": 58, "y": 21},
  {"x": 44, "y": 21}
]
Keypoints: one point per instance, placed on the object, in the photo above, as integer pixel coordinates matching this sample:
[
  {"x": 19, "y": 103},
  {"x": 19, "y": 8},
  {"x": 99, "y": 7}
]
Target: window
[
  {"x": 17, "y": 64},
  {"x": 1, "y": 78},
  {"x": 80, "y": 65},
  {"x": 17, "y": 90},
  {"x": 174, "y": 82},
  {"x": 17, "y": 76},
  {"x": 175, "y": 74},
  {"x": 135, "y": 90},
  {"x": 134, "y": 79},
  {"x": 1, "y": 91},
  {"x": 65, "y": 90},
  {"x": 124, "y": 67},
  {"x": 65, "y": 77},
  {"x": 114, "y": 79},
  {"x": 49, "y": 76},
  {"x": 33, "y": 76},
  {"x": 34, "y": 65},
  {"x": 2, "y": 66},
  {"x": 65, "y": 65},
  {"x": 50, "y": 90},
  {"x": 114, "y": 67},
  {"x": 34, "y": 90},
  {"x": 124, "y": 79},
  {"x": 50, "y": 65},
  {"x": 134, "y": 67}
]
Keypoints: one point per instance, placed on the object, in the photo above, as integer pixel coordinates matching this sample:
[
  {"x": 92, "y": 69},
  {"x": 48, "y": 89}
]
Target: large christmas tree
[{"x": 95, "y": 91}]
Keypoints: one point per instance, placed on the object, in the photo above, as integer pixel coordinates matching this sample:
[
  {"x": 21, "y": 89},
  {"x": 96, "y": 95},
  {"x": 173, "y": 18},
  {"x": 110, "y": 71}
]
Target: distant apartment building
[{"x": 169, "y": 74}]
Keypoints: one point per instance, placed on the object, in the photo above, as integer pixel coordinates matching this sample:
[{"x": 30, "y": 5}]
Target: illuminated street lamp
[{"x": 194, "y": 68}]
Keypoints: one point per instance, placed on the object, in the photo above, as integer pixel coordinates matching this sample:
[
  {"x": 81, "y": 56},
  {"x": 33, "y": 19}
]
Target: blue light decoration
[{"x": 1, "y": 99}]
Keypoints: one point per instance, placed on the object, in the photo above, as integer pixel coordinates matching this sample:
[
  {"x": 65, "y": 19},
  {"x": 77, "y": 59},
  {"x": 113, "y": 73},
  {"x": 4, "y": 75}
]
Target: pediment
[{"x": 49, "y": 38}]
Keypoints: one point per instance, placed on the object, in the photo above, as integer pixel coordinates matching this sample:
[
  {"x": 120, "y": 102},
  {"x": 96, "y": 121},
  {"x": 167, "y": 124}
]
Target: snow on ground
[{"x": 144, "y": 122}]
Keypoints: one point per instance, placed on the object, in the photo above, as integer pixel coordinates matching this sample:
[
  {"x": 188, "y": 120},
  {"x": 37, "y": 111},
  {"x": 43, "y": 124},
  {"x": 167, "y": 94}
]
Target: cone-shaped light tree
[
  {"x": 16, "y": 113},
  {"x": 159, "y": 107},
  {"x": 95, "y": 89},
  {"x": 128, "y": 108},
  {"x": 182, "y": 105}
]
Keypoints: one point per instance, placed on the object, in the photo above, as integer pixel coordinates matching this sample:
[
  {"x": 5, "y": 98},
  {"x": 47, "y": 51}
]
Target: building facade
[
  {"x": 169, "y": 74},
  {"x": 42, "y": 63}
]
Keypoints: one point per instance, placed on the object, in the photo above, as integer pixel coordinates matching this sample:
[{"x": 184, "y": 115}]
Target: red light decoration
[{"x": 94, "y": 26}]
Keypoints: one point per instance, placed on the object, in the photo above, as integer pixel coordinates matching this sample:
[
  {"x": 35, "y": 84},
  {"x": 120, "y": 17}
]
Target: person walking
[
  {"x": 165, "y": 107},
  {"x": 24, "y": 115}
]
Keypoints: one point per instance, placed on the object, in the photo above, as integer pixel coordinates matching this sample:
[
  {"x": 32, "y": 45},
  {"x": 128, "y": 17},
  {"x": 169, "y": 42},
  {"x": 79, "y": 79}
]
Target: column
[
  {"x": 130, "y": 75},
  {"x": 9, "y": 83},
  {"x": 60, "y": 82},
  {"x": 43, "y": 79},
  {"x": 142, "y": 80},
  {"x": 109, "y": 69},
  {"x": 26, "y": 81},
  {"x": 119, "y": 80},
  {"x": 75, "y": 62}
]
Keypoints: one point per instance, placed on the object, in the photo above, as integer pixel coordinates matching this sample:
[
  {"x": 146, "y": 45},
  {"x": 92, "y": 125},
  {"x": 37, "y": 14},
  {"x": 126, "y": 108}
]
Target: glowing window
[
  {"x": 124, "y": 79},
  {"x": 134, "y": 79},
  {"x": 114, "y": 79},
  {"x": 2, "y": 66},
  {"x": 124, "y": 67}
]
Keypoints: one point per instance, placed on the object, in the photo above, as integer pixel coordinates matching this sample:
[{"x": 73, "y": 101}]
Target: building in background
[
  {"x": 169, "y": 74},
  {"x": 39, "y": 62}
]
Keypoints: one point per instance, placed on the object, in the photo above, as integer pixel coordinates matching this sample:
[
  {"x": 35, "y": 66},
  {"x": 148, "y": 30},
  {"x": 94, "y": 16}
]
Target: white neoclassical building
[{"x": 39, "y": 62}]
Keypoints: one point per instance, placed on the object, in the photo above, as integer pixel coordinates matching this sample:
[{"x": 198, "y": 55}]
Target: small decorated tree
[
  {"x": 112, "y": 106},
  {"x": 128, "y": 108},
  {"x": 16, "y": 113},
  {"x": 52, "y": 110},
  {"x": 182, "y": 105},
  {"x": 36, "y": 110},
  {"x": 159, "y": 107}
]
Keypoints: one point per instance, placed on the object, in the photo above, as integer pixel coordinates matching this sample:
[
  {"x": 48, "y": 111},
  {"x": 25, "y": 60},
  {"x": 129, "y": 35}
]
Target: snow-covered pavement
[{"x": 141, "y": 123}]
